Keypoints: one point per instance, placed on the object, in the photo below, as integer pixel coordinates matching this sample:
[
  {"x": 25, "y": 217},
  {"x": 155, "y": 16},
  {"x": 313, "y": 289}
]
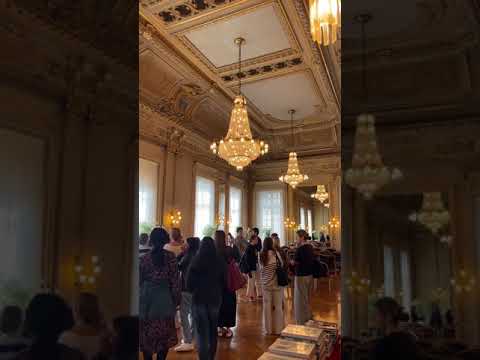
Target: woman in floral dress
[{"x": 159, "y": 335}]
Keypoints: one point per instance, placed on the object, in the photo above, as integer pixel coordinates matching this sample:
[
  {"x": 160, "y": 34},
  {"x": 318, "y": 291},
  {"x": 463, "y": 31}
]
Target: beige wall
[{"x": 88, "y": 189}]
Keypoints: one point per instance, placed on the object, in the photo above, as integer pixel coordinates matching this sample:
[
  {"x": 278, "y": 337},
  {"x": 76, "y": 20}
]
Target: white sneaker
[{"x": 184, "y": 347}]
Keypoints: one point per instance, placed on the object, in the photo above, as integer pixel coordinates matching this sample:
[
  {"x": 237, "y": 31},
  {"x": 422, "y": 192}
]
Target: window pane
[
  {"x": 309, "y": 221},
  {"x": 270, "y": 212},
  {"x": 302, "y": 218},
  {"x": 221, "y": 209},
  {"x": 204, "y": 205},
  {"x": 235, "y": 208},
  {"x": 389, "y": 276},
  {"x": 406, "y": 280},
  {"x": 147, "y": 193}
]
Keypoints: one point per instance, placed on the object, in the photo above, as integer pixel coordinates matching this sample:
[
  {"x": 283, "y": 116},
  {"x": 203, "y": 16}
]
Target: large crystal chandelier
[
  {"x": 368, "y": 173},
  {"x": 433, "y": 214},
  {"x": 293, "y": 177},
  {"x": 239, "y": 148},
  {"x": 321, "y": 194},
  {"x": 325, "y": 19}
]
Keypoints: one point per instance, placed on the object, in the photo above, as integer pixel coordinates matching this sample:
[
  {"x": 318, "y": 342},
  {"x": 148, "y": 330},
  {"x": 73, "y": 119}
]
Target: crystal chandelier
[
  {"x": 325, "y": 19},
  {"x": 174, "y": 217},
  {"x": 433, "y": 214},
  {"x": 293, "y": 177},
  {"x": 239, "y": 148},
  {"x": 368, "y": 173},
  {"x": 357, "y": 284},
  {"x": 321, "y": 194}
]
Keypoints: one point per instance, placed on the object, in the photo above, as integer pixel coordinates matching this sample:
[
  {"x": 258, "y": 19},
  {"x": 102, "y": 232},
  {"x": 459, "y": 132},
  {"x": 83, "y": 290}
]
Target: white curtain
[
  {"x": 147, "y": 192},
  {"x": 302, "y": 218},
  {"x": 221, "y": 209},
  {"x": 204, "y": 205},
  {"x": 309, "y": 221},
  {"x": 389, "y": 274},
  {"x": 235, "y": 208},
  {"x": 270, "y": 212},
  {"x": 406, "y": 280}
]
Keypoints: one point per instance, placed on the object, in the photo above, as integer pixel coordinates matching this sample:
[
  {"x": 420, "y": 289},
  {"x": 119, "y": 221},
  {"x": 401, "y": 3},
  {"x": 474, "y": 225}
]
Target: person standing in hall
[
  {"x": 250, "y": 258},
  {"x": 143, "y": 246},
  {"x": 185, "y": 261},
  {"x": 303, "y": 269},
  {"x": 278, "y": 247},
  {"x": 273, "y": 308},
  {"x": 236, "y": 251},
  {"x": 228, "y": 310},
  {"x": 206, "y": 281},
  {"x": 159, "y": 297},
  {"x": 240, "y": 241},
  {"x": 259, "y": 242},
  {"x": 175, "y": 245}
]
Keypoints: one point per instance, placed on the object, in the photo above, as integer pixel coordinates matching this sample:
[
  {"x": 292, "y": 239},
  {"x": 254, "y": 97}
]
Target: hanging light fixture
[
  {"x": 433, "y": 214},
  {"x": 325, "y": 20},
  {"x": 321, "y": 194},
  {"x": 289, "y": 223},
  {"x": 463, "y": 282},
  {"x": 368, "y": 173},
  {"x": 239, "y": 148},
  {"x": 293, "y": 177}
]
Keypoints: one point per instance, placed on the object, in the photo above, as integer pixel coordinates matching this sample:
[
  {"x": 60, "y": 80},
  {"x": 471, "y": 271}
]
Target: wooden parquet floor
[{"x": 249, "y": 340}]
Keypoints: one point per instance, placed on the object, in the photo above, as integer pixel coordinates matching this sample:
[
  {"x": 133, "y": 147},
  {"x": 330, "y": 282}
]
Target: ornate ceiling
[
  {"x": 188, "y": 70},
  {"x": 423, "y": 64}
]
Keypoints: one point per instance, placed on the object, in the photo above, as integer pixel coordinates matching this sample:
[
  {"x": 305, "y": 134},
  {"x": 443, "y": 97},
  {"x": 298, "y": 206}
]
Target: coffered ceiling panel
[
  {"x": 275, "y": 96},
  {"x": 264, "y": 28}
]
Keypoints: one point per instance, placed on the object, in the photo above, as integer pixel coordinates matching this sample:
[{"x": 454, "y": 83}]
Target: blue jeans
[
  {"x": 205, "y": 320},
  {"x": 186, "y": 317}
]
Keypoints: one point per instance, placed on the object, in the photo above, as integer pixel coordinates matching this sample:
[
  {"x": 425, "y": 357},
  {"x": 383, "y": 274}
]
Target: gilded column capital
[{"x": 175, "y": 138}]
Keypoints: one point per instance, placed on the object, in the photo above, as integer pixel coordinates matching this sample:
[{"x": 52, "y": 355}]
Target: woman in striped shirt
[{"x": 273, "y": 308}]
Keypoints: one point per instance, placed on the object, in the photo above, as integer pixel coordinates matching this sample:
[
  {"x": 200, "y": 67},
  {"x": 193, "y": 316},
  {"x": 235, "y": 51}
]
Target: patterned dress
[{"x": 159, "y": 335}]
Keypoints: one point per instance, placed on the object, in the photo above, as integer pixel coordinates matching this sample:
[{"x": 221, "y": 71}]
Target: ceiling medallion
[
  {"x": 293, "y": 177},
  {"x": 368, "y": 173},
  {"x": 325, "y": 20},
  {"x": 321, "y": 194},
  {"x": 433, "y": 214},
  {"x": 239, "y": 148}
]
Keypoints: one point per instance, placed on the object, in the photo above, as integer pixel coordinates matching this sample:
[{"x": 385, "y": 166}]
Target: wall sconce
[
  {"x": 222, "y": 220},
  {"x": 334, "y": 223},
  {"x": 289, "y": 223},
  {"x": 439, "y": 294},
  {"x": 357, "y": 284},
  {"x": 464, "y": 282},
  {"x": 87, "y": 275},
  {"x": 173, "y": 218}
]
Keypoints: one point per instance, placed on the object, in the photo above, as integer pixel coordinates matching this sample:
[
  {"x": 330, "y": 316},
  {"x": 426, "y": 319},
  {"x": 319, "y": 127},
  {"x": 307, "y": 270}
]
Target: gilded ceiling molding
[
  {"x": 74, "y": 22},
  {"x": 180, "y": 11},
  {"x": 258, "y": 71},
  {"x": 155, "y": 128}
]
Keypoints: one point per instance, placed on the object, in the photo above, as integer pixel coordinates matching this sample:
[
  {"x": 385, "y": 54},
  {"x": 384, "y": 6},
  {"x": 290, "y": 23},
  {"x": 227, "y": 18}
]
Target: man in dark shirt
[
  {"x": 303, "y": 264},
  {"x": 395, "y": 344},
  {"x": 259, "y": 243}
]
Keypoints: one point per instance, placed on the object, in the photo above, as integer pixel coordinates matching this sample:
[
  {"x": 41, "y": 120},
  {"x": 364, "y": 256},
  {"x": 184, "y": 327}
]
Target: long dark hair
[
  {"x": 206, "y": 254},
  {"x": 220, "y": 242},
  {"x": 267, "y": 245},
  {"x": 193, "y": 245},
  {"x": 88, "y": 310},
  {"x": 159, "y": 237},
  {"x": 388, "y": 308},
  {"x": 126, "y": 340}
]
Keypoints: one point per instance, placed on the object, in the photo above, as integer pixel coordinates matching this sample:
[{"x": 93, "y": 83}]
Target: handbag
[
  {"x": 235, "y": 279},
  {"x": 282, "y": 275},
  {"x": 156, "y": 301}
]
